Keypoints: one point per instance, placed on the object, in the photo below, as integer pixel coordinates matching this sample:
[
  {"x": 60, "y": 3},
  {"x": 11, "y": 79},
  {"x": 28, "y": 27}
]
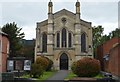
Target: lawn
[
  {"x": 45, "y": 76},
  {"x": 72, "y": 75}
]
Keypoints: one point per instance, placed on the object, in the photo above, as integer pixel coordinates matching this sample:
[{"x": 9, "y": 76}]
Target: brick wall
[
  {"x": 5, "y": 45},
  {"x": 109, "y": 48},
  {"x": 109, "y": 45},
  {"x": 114, "y": 62},
  {"x": 99, "y": 56}
]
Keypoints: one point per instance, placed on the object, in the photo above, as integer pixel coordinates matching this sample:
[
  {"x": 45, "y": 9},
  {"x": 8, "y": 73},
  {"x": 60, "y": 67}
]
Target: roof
[
  {"x": 63, "y": 12},
  {"x": 117, "y": 45},
  {"x": 28, "y": 42}
]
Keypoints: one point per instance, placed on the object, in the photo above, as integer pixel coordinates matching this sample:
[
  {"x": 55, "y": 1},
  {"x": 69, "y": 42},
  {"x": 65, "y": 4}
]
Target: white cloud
[
  {"x": 0, "y": 14},
  {"x": 108, "y": 27},
  {"x": 27, "y": 13},
  {"x": 59, "y": 0},
  {"x": 119, "y": 14},
  {"x": 29, "y": 33},
  {"x": 23, "y": 13}
]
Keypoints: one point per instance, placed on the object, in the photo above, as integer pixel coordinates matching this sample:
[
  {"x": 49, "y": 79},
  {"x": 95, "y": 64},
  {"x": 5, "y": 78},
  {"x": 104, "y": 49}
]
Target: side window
[
  {"x": 44, "y": 42},
  {"x": 58, "y": 39},
  {"x": 70, "y": 40},
  {"x": 83, "y": 42}
]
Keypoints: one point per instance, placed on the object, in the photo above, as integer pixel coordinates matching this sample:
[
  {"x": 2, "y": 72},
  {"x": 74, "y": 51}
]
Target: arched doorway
[{"x": 64, "y": 62}]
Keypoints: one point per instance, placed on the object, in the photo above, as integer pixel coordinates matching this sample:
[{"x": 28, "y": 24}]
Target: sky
[{"x": 27, "y": 13}]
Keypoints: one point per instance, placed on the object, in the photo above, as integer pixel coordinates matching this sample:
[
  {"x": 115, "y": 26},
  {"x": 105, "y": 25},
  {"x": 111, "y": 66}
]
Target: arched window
[
  {"x": 58, "y": 39},
  {"x": 83, "y": 42},
  {"x": 44, "y": 42},
  {"x": 64, "y": 39},
  {"x": 69, "y": 40}
]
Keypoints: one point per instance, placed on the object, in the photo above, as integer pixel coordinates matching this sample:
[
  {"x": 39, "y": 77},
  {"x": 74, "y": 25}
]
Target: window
[
  {"x": 64, "y": 38},
  {"x": 70, "y": 40},
  {"x": 83, "y": 42},
  {"x": 44, "y": 42},
  {"x": 64, "y": 35},
  {"x": 58, "y": 40}
]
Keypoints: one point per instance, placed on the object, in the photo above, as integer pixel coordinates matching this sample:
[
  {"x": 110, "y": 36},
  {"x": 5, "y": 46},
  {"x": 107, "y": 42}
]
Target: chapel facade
[{"x": 64, "y": 37}]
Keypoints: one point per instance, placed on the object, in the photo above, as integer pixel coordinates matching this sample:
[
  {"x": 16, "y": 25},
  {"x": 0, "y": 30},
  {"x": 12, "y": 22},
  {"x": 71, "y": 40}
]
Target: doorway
[{"x": 64, "y": 62}]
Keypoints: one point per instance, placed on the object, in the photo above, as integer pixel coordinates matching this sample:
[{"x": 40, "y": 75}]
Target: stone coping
[{"x": 83, "y": 78}]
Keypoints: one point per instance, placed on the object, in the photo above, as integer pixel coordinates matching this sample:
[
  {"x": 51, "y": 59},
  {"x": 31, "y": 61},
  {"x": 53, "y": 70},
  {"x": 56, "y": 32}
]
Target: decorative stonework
[
  {"x": 74, "y": 25},
  {"x": 64, "y": 20}
]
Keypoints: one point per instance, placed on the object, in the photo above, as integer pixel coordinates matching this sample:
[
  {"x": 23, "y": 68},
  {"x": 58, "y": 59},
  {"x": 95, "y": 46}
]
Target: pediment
[{"x": 64, "y": 12}]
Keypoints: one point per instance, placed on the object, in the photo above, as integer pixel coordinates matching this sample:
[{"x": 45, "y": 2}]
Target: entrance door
[{"x": 64, "y": 62}]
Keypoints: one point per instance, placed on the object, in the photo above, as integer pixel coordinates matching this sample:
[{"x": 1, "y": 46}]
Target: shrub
[
  {"x": 42, "y": 62},
  {"x": 86, "y": 67},
  {"x": 73, "y": 67},
  {"x": 36, "y": 70},
  {"x": 50, "y": 64}
]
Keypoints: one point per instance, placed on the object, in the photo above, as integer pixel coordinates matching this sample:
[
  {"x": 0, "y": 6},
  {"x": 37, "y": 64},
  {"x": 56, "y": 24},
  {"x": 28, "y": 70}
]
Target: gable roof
[{"x": 64, "y": 12}]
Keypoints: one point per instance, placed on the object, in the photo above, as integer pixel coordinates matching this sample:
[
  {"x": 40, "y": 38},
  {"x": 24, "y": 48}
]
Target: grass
[
  {"x": 99, "y": 76},
  {"x": 25, "y": 76},
  {"x": 45, "y": 76},
  {"x": 72, "y": 75}
]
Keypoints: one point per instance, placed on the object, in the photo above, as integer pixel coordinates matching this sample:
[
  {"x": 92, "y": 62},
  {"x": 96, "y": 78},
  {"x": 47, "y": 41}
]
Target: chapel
[{"x": 64, "y": 37}]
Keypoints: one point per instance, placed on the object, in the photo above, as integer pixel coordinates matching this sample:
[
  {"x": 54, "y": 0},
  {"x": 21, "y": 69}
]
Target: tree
[
  {"x": 27, "y": 49},
  {"x": 115, "y": 33},
  {"x": 14, "y": 36},
  {"x": 97, "y": 36}
]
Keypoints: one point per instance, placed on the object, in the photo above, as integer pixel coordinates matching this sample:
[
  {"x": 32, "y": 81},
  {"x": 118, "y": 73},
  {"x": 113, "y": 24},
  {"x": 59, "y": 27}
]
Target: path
[{"x": 59, "y": 76}]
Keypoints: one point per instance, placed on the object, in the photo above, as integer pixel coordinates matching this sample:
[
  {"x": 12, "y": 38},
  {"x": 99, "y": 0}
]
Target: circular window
[{"x": 64, "y": 20}]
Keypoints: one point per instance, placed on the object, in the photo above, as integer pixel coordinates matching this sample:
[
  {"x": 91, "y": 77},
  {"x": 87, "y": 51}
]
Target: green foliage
[
  {"x": 70, "y": 75},
  {"x": 43, "y": 62},
  {"x": 86, "y": 67},
  {"x": 44, "y": 76},
  {"x": 73, "y": 67},
  {"x": 14, "y": 36},
  {"x": 49, "y": 65},
  {"x": 115, "y": 33},
  {"x": 99, "y": 38},
  {"x": 27, "y": 50},
  {"x": 47, "y": 74},
  {"x": 36, "y": 71}
]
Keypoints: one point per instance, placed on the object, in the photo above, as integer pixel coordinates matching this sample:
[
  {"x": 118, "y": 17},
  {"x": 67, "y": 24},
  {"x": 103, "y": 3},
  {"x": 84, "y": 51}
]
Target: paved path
[{"x": 59, "y": 76}]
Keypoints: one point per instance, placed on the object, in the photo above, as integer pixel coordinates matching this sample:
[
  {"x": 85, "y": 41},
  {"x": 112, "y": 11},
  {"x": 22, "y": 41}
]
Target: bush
[
  {"x": 42, "y": 62},
  {"x": 73, "y": 67},
  {"x": 49, "y": 65},
  {"x": 36, "y": 70},
  {"x": 86, "y": 67}
]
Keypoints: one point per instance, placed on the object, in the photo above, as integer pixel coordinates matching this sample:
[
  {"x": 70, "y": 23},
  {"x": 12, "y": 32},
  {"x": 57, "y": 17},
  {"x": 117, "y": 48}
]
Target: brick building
[
  {"x": 114, "y": 60},
  {"x": 4, "y": 50},
  {"x": 108, "y": 54}
]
